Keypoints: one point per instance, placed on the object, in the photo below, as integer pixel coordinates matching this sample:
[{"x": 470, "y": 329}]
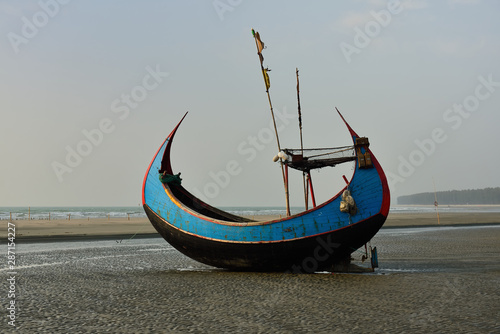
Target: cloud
[
  {"x": 463, "y": 2},
  {"x": 17, "y": 10},
  {"x": 377, "y": 3},
  {"x": 353, "y": 19},
  {"x": 414, "y": 4},
  {"x": 455, "y": 48},
  {"x": 360, "y": 18}
]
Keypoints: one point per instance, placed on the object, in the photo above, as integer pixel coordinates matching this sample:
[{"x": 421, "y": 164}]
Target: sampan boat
[{"x": 312, "y": 240}]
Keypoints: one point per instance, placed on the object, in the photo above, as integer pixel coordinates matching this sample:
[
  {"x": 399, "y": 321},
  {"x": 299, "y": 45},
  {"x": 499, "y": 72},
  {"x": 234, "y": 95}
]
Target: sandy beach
[
  {"x": 430, "y": 280},
  {"x": 119, "y": 275},
  {"x": 141, "y": 226}
]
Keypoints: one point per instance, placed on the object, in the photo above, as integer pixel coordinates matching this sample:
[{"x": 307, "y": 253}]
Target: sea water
[
  {"x": 76, "y": 212},
  {"x": 24, "y": 213},
  {"x": 42, "y": 213}
]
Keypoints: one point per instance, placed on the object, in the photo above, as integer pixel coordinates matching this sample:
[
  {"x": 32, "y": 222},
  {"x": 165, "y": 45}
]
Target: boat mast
[
  {"x": 301, "y": 141},
  {"x": 260, "y": 46}
]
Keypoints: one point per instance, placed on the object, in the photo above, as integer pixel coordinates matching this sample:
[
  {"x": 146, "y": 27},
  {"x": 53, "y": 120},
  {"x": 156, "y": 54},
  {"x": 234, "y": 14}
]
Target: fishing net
[{"x": 307, "y": 159}]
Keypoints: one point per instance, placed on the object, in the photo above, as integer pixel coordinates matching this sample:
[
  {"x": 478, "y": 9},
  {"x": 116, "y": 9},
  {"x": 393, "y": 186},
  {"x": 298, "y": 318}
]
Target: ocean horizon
[{"x": 84, "y": 212}]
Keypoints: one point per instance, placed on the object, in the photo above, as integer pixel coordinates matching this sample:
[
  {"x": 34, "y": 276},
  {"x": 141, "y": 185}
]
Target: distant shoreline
[{"x": 90, "y": 213}]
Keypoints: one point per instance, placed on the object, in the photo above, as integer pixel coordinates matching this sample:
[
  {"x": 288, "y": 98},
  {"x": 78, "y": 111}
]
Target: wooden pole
[
  {"x": 436, "y": 200},
  {"x": 312, "y": 190},
  {"x": 286, "y": 185},
  {"x": 304, "y": 183},
  {"x": 264, "y": 71},
  {"x": 29, "y": 213}
]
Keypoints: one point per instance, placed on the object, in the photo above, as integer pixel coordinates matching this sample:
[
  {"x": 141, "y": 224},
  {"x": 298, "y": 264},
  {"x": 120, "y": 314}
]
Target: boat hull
[{"x": 305, "y": 255}]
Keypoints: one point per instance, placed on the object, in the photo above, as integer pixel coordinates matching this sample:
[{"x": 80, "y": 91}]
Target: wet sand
[
  {"x": 430, "y": 280},
  {"x": 28, "y": 229},
  {"x": 140, "y": 226}
]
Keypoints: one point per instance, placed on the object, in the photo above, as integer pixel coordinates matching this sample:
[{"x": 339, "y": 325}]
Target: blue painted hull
[{"x": 313, "y": 239}]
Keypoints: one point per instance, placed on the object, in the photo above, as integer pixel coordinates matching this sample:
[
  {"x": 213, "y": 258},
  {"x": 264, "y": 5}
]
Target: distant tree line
[{"x": 454, "y": 197}]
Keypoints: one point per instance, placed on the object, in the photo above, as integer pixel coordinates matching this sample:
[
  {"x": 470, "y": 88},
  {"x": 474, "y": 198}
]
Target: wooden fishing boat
[
  {"x": 316, "y": 239},
  {"x": 312, "y": 240}
]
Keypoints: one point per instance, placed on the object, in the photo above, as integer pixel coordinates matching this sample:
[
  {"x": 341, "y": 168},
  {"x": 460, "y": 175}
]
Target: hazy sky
[{"x": 90, "y": 89}]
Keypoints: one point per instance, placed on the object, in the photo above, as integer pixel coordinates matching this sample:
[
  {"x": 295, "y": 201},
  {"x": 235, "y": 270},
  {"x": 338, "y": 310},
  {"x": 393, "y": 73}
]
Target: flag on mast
[{"x": 260, "y": 45}]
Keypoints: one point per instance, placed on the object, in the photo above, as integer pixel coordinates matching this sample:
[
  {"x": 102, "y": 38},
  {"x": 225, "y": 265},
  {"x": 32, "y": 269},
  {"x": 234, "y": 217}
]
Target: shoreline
[{"x": 123, "y": 228}]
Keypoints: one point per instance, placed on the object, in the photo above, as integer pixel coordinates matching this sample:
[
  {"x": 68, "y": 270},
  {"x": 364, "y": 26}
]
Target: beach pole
[
  {"x": 435, "y": 200},
  {"x": 260, "y": 47},
  {"x": 69, "y": 216},
  {"x": 29, "y": 213},
  {"x": 49, "y": 216}
]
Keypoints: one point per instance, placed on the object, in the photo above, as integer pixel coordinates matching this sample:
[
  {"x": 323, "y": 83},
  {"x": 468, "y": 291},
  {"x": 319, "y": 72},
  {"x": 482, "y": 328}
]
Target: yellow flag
[{"x": 266, "y": 78}]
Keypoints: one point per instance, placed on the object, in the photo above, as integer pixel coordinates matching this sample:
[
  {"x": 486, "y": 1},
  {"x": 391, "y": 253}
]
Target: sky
[{"x": 90, "y": 89}]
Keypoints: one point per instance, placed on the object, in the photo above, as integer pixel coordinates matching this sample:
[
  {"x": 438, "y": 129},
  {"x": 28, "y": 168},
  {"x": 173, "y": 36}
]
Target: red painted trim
[
  {"x": 386, "y": 194},
  {"x": 311, "y": 189},
  {"x": 287, "y": 189}
]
